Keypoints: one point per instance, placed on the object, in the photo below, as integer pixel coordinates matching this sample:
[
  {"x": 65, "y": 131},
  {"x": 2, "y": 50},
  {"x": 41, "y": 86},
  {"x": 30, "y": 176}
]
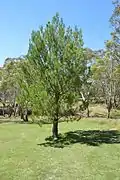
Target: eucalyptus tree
[{"x": 8, "y": 85}]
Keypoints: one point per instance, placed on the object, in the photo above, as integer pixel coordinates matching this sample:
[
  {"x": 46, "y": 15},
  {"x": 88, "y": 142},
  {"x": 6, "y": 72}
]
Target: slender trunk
[
  {"x": 10, "y": 112},
  {"x": 25, "y": 115},
  {"x": 108, "y": 115},
  {"x": 55, "y": 129},
  {"x": 22, "y": 116},
  {"x": 109, "y": 107},
  {"x": 86, "y": 103},
  {"x": 22, "y": 113},
  {"x": 26, "y": 118},
  {"x": 4, "y": 109},
  {"x": 15, "y": 110},
  {"x": 56, "y": 117},
  {"x": 14, "y": 113},
  {"x": 88, "y": 112},
  {"x": 115, "y": 102},
  {"x": 86, "y": 107},
  {"x": 3, "y": 113},
  {"x": 14, "y": 104}
]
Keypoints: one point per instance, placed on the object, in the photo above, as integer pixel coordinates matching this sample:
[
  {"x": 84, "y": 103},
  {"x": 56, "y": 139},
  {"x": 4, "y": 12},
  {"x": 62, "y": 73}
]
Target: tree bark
[
  {"x": 4, "y": 109},
  {"x": 26, "y": 118},
  {"x": 10, "y": 111},
  {"x": 25, "y": 115},
  {"x": 55, "y": 129},
  {"x": 109, "y": 107},
  {"x": 22, "y": 115},
  {"x": 108, "y": 116},
  {"x": 115, "y": 102},
  {"x": 56, "y": 117},
  {"x": 88, "y": 112}
]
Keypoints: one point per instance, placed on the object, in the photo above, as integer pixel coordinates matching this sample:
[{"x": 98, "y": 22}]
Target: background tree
[
  {"x": 87, "y": 82},
  {"x": 9, "y": 81},
  {"x": 115, "y": 21}
]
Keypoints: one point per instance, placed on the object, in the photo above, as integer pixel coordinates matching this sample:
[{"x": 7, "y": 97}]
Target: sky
[{"x": 19, "y": 17}]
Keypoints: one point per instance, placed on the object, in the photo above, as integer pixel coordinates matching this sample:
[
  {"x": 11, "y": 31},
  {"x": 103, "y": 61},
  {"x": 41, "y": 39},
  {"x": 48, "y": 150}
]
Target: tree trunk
[
  {"x": 14, "y": 103},
  {"x": 25, "y": 115},
  {"x": 4, "y": 109},
  {"x": 88, "y": 112},
  {"x": 115, "y": 102},
  {"x": 10, "y": 112},
  {"x": 109, "y": 106},
  {"x": 108, "y": 116},
  {"x": 26, "y": 118},
  {"x": 22, "y": 115},
  {"x": 55, "y": 129},
  {"x": 109, "y": 110},
  {"x": 56, "y": 117}
]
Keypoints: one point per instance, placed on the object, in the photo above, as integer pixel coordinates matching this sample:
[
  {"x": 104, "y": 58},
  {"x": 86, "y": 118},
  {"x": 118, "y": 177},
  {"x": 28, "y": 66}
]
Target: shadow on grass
[{"x": 90, "y": 137}]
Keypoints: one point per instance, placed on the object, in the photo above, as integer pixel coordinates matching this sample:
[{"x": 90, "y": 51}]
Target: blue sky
[{"x": 19, "y": 17}]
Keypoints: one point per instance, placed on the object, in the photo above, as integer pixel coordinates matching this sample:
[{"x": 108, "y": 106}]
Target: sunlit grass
[{"x": 21, "y": 156}]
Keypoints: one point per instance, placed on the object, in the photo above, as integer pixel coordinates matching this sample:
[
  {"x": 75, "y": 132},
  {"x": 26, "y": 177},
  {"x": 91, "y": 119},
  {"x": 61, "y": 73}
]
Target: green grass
[{"x": 23, "y": 158}]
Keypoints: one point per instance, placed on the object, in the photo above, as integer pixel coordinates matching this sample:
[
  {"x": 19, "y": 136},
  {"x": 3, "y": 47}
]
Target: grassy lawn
[{"x": 83, "y": 153}]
